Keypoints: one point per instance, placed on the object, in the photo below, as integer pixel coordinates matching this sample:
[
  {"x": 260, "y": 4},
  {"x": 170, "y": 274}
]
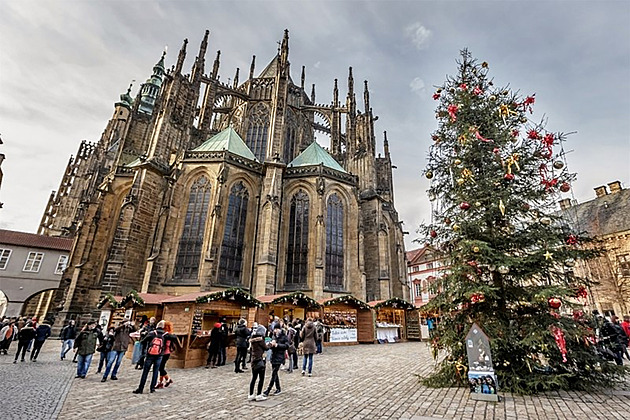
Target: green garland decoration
[
  {"x": 295, "y": 298},
  {"x": 234, "y": 293},
  {"x": 134, "y": 297},
  {"x": 396, "y": 303},
  {"x": 108, "y": 298},
  {"x": 347, "y": 299}
]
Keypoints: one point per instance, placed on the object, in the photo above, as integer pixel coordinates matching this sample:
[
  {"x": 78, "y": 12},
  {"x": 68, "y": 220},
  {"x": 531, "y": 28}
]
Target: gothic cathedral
[{"x": 201, "y": 185}]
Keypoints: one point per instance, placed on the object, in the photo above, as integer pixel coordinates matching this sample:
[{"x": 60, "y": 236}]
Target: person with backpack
[
  {"x": 258, "y": 364},
  {"x": 155, "y": 343},
  {"x": 86, "y": 346},
  {"x": 242, "y": 335},
  {"x": 309, "y": 337},
  {"x": 67, "y": 336},
  {"x": 42, "y": 332},
  {"x": 319, "y": 327},
  {"x": 169, "y": 347},
  {"x": 146, "y": 329}
]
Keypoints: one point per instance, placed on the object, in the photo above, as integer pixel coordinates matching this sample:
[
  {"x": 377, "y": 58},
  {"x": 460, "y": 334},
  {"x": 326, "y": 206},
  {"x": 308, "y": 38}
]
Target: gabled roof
[
  {"x": 294, "y": 298},
  {"x": 315, "y": 155},
  {"x": 229, "y": 140},
  {"x": 271, "y": 69},
  {"x": 32, "y": 240}
]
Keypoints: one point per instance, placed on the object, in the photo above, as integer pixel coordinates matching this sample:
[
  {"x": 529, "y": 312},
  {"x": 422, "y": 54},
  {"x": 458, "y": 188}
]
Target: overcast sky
[{"x": 64, "y": 63}]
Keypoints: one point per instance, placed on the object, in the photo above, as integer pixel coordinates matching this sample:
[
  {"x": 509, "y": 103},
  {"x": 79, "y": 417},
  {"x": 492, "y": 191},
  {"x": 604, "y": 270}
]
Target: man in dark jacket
[
  {"x": 26, "y": 334},
  {"x": 242, "y": 335},
  {"x": 146, "y": 329},
  {"x": 41, "y": 334},
  {"x": 155, "y": 343},
  {"x": 86, "y": 346},
  {"x": 279, "y": 345},
  {"x": 67, "y": 335},
  {"x": 613, "y": 340},
  {"x": 121, "y": 343},
  {"x": 224, "y": 342}
]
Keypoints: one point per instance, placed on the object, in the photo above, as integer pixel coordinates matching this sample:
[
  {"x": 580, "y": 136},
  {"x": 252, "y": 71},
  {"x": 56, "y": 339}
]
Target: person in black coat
[
  {"x": 224, "y": 333},
  {"x": 214, "y": 346},
  {"x": 242, "y": 336},
  {"x": 26, "y": 334},
  {"x": 106, "y": 345},
  {"x": 279, "y": 345},
  {"x": 41, "y": 334}
]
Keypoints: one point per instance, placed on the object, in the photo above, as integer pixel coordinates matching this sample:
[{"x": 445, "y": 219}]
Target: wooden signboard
[{"x": 481, "y": 377}]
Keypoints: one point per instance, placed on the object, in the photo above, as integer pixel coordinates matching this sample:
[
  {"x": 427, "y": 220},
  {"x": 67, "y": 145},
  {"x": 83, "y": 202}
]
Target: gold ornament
[
  {"x": 512, "y": 160},
  {"x": 467, "y": 175},
  {"x": 460, "y": 181},
  {"x": 429, "y": 174},
  {"x": 502, "y": 207},
  {"x": 545, "y": 221},
  {"x": 505, "y": 111},
  {"x": 548, "y": 255},
  {"x": 558, "y": 164},
  {"x": 462, "y": 139},
  {"x": 476, "y": 249},
  {"x": 477, "y": 204},
  {"x": 456, "y": 227},
  {"x": 493, "y": 98},
  {"x": 484, "y": 64},
  {"x": 457, "y": 161}
]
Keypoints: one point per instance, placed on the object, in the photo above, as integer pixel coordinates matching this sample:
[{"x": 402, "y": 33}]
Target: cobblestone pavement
[
  {"x": 34, "y": 390},
  {"x": 359, "y": 382}
]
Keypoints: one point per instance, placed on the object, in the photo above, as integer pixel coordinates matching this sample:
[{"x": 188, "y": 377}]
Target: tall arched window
[
  {"x": 191, "y": 241},
  {"x": 334, "y": 244},
  {"x": 290, "y": 137},
  {"x": 257, "y": 129},
  {"x": 297, "y": 250},
  {"x": 231, "y": 262}
]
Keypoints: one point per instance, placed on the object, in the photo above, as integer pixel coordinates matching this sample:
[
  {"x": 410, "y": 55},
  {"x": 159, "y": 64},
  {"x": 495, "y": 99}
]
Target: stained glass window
[
  {"x": 297, "y": 250},
  {"x": 334, "y": 244},
  {"x": 231, "y": 262}
]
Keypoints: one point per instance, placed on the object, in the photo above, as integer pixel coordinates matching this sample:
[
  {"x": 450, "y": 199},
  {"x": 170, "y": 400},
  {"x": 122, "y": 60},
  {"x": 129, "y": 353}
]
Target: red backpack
[{"x": 156, "y": 347}]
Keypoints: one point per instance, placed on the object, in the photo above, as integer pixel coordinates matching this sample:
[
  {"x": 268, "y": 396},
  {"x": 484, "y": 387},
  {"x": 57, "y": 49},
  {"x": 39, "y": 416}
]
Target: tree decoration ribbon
[
  {"x": 512, "y": 160},
  {"x": 528, "y": 102},
  {"x": 544, "y": 172},
  {"x": 475, "y": 130},
  {"x": 505, "y": 112},
  {"x": 462, "y": 139},
  {"x": 467, "y": 175},
  {"x": 558, "y": 335},
  {"x": 548, "y": 143},
  {"x": 452, "y": 112}
]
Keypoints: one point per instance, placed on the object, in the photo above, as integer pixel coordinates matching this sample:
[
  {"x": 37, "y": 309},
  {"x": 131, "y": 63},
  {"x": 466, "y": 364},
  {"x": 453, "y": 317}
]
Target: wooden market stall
[
  {"x": 193, "y": 316},
  {"x": 394, "y": 318},
  {"x": 143, "y": 306},
  {"x": 348, "y": 321},
  {"x": 295, "y": 305},
  {"x": 111, "y": 312}
]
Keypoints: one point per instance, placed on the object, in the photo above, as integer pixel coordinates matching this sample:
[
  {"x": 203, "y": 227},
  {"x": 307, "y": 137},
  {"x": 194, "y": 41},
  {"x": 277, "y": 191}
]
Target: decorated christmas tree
[{"x": 495, "y": 179}]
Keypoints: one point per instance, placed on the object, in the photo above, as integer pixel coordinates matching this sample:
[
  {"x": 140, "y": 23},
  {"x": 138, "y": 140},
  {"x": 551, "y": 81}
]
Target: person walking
[
  {"x": 319, "y": 327},
  {"x": 622, "y": 337},
  {"x": 155, "y": 343},
  {"x": 258, "y": 363},
  {"x": 7, "y": 335},
  {"x": 119, "y": 348},
  {"x": 214, "y": 346},
  {"x": 291, "y": 333},
  {"x": 67, "y": 335},
  {"x": 611, "y": 337},
  {"x": 105, "y": 348},
  {"x": 309, "y": 339},
  {"x": 42, "y": 332},
  {"x": 25, "y": 335},
  {"x": 146, "y": 329},
  {"x": 279, "y": 345},
  {"x": 242, "y": 335},
  {"x": 169, "y": 347},
  {"x": 34, "y": 324},
  {"x": 86, "y": 346}
]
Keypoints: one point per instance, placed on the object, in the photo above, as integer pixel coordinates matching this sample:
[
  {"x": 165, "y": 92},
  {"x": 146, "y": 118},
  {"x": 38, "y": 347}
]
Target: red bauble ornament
[
  {"x": 581, "y": 292},
  {"x": 433, "y": 234},
  {"x": 565, "y": 187},
  {"x": 436, "y": 96},
  {"x": 464, "y": 206},
  {"x": 572, "y": 240},
  {"x": 554, "y": 302},
  {"x": 508, "y": 177},
  {"x": 477, "y": 297},
  {"x": 463, "y": 86}
]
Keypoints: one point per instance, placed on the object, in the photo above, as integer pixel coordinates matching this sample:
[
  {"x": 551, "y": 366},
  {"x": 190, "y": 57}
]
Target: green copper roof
[
  {"x": 315, "y": 155},
  {"x": 229, "y": 140}
]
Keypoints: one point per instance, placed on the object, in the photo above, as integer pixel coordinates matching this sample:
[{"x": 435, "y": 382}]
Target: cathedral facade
[{"x": 201, "y": 185}]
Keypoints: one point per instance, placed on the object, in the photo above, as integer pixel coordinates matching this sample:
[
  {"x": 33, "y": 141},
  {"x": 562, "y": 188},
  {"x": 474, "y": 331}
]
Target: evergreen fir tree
[{"x": 495, "y": 178}]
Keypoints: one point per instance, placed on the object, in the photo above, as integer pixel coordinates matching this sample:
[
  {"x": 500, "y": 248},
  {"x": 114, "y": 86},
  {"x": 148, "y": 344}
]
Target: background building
[
  {"x": 423, "y": 268},
  {"x": 606, "y": 218},
  {"x": 31, "y": 267},
  {"x": 200, "y": 185}
]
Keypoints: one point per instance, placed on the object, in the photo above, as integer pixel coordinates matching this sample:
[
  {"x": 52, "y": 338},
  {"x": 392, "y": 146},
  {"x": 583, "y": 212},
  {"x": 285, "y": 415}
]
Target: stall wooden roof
[
  {"x": 189, "y": 297},
  {"x": 144, "y": 299},
  {"x": 395, "y": 302},
  {"x": 113, "y": 301},
  {"x": 344, "y": 299},
  {"x": 292, "y": 297}
]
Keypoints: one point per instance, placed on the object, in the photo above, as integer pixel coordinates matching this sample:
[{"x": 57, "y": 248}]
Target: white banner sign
[{"x": 343, "y": 335}]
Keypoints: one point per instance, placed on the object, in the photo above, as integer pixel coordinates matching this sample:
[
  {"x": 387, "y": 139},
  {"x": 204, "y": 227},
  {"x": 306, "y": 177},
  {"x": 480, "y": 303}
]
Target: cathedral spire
[
  {"x": 385, "y": 144},
  {"x": 336, "y": 95},
  {"x": 181, "y": 57},
  {"x": 313, "y": 93},
  {"x": 303, "y": 78},
  {"x": 284, "y": 49},
  {"x": 235, "y": 85},
  {"x": 366, "y": 97},
  {"x": 215, "y": 66},
  {"x": 151, "y": 88},
  {"x": 350, "y": 82},
  {"x": 252, "y": 67},
  {"x": 200, "y": 61}
]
